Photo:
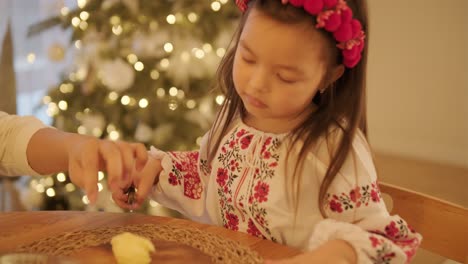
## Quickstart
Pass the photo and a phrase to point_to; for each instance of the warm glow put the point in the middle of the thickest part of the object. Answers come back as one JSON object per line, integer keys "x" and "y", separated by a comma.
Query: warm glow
{"x": 171, "y": 19}
{"x": 143, "y": 103}
{"x": 216, "y": 6}
{"x": 61, "y": 177}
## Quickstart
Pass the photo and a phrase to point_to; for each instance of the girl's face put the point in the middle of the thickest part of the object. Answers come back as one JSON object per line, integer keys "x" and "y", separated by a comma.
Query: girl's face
{"x": 278, "y": 68}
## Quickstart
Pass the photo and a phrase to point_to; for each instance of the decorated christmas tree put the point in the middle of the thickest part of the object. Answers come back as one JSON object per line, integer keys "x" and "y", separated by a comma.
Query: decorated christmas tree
{"x": 143, "y": 71}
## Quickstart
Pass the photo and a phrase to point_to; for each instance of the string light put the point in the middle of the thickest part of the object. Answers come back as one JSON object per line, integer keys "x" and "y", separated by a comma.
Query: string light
{"x": 220, "y": 99}
{"x": 61, "y": 177}
{"x": 117, "y": 30}
{"x": 97, "y": 132}
{"x": 69, "y": 187}
{"x": 216, "y": 6}
{"x": 113, "y": 96}
{"x": 49, "y": 181}
{"x": 66, "y": 88}
{"x": 143, "y": 103}
{"x": 171, "y": 19}
{"x": 81, "y": 3}
{"x": 83, "y": 25}
{"x": 181, "y": 94}
{"x": 84, "y": 15}
{"x": 160, "y": 92}
{"x": 46, "y": 99}
{"x": 165, "y": 63}
{"x": 191, "y": 104}
{"x": 82, "y": 130}
{"x": 154, "y": 74}
{"x": 50, "y": 192}
{"x": 52, "y": 109}
{"x": 207, "y": 48}
{"x": 168, "y": 47}
{"x": 132, "y": 58}
{"x": 114, "y": 20}
{"x": 139, "y": 66}
{"x": 31, "y": 57}
{"x": 110, "y": 128}
{"x": 173, "y": 91}
{"x": 63, "y": 105}
{"x": 200, "y": 54}
{"x": 125, "y": 100}
{"x": 220, "y": 52}
{"x": 192, "y": 17}
{"x": 100, "y": 187}
{"x": 64, "y": 11}
{"x": 40, "y": 188}
{"x": 114, "y": 135}
{"x": 199, "y": 141}
{"x": 78, "y": 44}
{"x": 173, "y": 105}
{"x": 75, "y": 21}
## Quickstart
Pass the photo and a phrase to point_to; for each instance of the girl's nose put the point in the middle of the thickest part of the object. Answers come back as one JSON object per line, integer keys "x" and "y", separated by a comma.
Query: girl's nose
{"x": 259, "y": 81}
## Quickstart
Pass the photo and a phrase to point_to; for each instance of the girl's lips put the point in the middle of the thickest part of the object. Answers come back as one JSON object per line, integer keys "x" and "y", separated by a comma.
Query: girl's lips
{"x": 254, "y": 101}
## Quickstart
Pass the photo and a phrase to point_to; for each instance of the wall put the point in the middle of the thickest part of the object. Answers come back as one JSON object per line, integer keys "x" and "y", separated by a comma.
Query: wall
{"x": 418, "y": 79}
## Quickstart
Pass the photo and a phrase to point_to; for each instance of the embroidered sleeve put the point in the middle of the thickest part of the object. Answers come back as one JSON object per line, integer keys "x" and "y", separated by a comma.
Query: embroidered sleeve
{"x": 183, "y": 180}
{"x": 357, "y": 214}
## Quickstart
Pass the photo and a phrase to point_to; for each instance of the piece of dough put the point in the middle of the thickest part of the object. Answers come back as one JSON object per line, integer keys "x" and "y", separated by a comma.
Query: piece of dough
{"x": 132, "y": 249}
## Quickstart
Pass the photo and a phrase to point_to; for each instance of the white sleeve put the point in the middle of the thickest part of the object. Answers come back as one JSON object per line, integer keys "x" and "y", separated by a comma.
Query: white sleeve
{"x": 357, "y": 214}
{"x": 183, "y": 180}
{"x": 15, "y": 133}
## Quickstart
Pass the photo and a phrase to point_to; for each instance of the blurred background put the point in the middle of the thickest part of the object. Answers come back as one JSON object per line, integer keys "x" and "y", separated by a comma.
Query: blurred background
{"x": 104, "y": 67}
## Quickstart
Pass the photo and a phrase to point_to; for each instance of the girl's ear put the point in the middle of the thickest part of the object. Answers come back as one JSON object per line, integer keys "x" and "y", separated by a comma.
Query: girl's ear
{"x": 336, "y": 73}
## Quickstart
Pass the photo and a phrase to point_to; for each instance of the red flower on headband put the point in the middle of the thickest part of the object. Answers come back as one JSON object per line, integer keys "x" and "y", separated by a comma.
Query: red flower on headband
{"x": 336, "y": 17}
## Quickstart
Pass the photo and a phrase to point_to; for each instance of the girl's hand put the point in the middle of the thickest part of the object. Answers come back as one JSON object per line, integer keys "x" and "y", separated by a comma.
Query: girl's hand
{"x": 143, "y": 180}
{"x": 332, "y": 252}
{"x": 88, "y": 155}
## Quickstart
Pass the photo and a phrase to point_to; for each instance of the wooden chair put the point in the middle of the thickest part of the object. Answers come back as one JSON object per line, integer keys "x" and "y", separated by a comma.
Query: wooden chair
{"x": 444, "y": 226}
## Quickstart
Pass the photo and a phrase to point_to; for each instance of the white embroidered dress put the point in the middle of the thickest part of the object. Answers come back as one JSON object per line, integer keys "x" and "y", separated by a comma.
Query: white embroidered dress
{"x": 244, "y": 189}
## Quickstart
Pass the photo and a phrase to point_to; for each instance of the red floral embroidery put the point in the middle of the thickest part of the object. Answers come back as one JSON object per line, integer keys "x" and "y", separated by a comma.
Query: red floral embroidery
{"x": 253, "y": 230}
{"x": 185, "y": 169}
{"x": 261, "y": 192}
{"x": 355, "y": 198}
{"x": 391, "y": 230}
{"x": 245, "y": 141}
{"x": 232, "y": 221}
{"x": 238, "y": 208}
{"x": 173, "y": 179}
{"x": 335, "y": 206}
{"x": 384, "y": 253}
{"x": 222, "y": 177}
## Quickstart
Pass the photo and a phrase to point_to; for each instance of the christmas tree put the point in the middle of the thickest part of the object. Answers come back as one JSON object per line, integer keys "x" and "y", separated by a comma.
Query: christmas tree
{"x": 143, "y": 71}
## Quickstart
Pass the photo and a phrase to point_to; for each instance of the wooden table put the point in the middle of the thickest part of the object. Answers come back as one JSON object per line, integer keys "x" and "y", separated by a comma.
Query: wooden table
{"x": 19, "y": 228}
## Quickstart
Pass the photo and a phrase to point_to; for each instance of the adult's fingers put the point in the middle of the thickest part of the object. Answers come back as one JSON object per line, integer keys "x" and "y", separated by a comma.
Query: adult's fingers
{"x": 111, "y": 155}
{"x": 146, "y": 178}
{"x": 141, "y": 155}
{"x": 90, "y": 167}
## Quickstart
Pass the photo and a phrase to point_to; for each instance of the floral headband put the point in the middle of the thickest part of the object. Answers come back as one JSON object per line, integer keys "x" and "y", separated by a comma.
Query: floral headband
{"x": 334, "y": 16}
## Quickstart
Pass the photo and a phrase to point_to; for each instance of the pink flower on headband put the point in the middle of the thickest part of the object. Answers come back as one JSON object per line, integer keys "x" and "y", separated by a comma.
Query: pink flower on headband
{"x": 336, "y": 17}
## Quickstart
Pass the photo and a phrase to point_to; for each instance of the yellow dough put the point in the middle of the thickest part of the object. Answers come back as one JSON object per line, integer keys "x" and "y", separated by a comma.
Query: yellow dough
{"x": 129, "y": 248}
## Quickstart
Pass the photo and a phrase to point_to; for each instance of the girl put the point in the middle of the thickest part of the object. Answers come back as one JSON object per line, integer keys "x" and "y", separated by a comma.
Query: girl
{"x": 287, "y": 158}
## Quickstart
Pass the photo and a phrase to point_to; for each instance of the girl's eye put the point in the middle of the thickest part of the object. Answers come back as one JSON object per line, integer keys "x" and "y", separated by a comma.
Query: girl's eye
{"x": 248, "y": 61}
{"x": 286, "y": 80}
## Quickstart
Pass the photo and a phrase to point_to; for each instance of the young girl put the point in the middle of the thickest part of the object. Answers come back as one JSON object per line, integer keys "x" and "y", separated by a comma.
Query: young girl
{"x": 287, "y": 158}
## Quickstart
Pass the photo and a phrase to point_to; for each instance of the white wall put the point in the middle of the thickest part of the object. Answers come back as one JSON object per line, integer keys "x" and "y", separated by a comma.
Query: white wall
{"x": 418, "y": 79}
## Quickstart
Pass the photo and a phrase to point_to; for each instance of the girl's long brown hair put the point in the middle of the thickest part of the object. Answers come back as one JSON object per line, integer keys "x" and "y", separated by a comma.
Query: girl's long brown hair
{"x": 342, "y": 105}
